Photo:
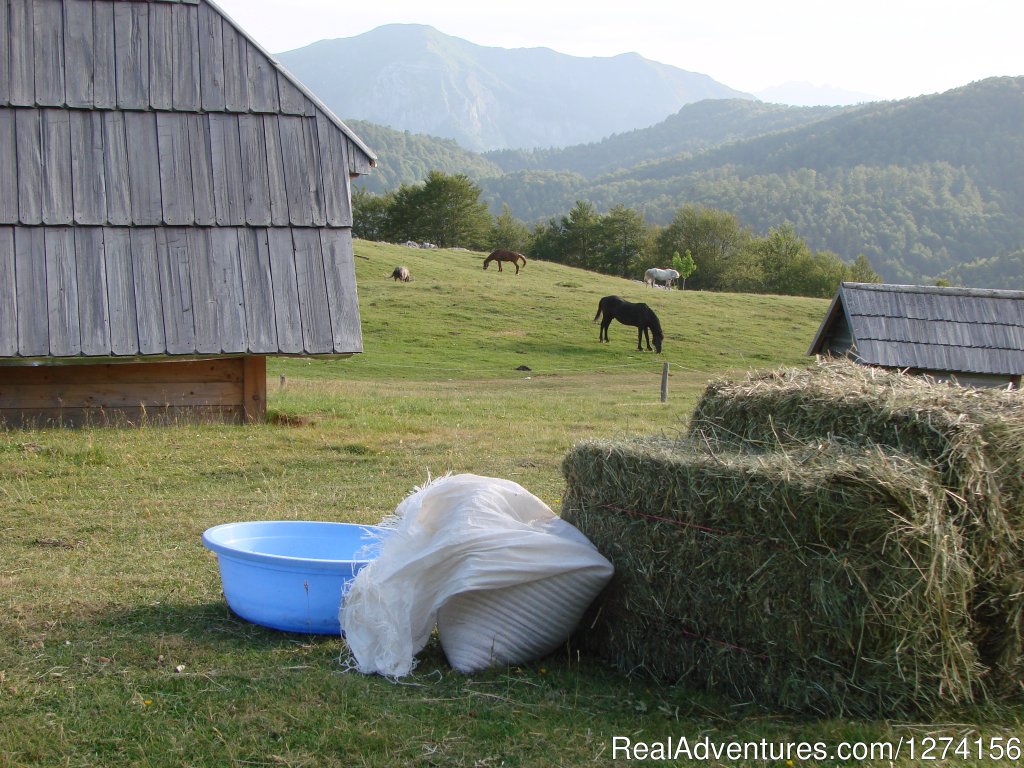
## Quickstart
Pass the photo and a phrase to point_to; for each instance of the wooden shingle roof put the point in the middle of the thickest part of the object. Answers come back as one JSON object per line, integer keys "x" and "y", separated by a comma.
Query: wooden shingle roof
{"x": 926, "y": 328}
{"x": 166, "y": 188}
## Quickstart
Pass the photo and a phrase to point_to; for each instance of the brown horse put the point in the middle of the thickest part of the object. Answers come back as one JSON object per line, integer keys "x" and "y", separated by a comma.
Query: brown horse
{"x": 501, "y": 255}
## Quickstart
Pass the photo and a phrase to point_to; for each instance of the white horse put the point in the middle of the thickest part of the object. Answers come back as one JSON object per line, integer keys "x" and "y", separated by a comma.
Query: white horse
{"x": 654, "y": 275}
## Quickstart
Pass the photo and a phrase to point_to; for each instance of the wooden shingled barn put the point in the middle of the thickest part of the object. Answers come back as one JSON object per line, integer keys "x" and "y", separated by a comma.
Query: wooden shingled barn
{"x": 971, "y": 336}
{"x": 174, "y": 207}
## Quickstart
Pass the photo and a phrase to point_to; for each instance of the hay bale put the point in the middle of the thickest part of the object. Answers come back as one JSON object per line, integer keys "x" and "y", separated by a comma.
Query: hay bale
{"x": 974, "y": 438}
{"x": 824, "y": 581}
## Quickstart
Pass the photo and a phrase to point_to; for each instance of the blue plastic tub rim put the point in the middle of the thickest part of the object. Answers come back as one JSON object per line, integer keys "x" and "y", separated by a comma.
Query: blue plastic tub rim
{"x": 228, "y": 539}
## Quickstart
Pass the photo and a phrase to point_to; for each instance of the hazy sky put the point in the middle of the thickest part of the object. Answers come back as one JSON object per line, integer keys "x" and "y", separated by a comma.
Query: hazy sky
{"x": 884, "y": 48}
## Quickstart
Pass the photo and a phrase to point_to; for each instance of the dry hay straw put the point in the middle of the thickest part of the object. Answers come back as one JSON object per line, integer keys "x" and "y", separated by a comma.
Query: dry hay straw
{"x": 823, "y": 580}
{"x": 974, "y": 438}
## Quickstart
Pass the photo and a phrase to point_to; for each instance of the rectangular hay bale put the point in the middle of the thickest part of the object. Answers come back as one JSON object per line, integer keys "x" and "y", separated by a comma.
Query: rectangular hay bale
{"x": 974, "y": 438}
{"x": 826, "y": 581}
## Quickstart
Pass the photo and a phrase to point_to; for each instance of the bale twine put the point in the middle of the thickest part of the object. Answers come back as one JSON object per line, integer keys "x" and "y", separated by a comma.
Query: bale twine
{"x": 974, "y": 438}
{"x": 820, "y": 581}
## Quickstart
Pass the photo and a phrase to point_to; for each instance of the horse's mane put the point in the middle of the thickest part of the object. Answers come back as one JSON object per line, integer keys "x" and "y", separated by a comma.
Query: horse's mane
{"x": 655, "y": 322}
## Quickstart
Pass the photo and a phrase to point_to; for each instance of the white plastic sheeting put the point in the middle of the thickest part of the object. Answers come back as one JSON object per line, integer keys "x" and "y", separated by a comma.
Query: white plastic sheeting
{"x": 502, "y": 577}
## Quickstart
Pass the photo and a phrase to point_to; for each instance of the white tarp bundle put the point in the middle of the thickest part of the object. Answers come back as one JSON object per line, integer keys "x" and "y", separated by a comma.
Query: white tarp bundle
{"x": 502, "y": 577}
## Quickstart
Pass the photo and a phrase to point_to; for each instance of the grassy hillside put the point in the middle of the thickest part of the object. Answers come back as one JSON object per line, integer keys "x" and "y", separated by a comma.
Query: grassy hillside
{"x": 458, "y": 321}
{"x": 116, "y": 645}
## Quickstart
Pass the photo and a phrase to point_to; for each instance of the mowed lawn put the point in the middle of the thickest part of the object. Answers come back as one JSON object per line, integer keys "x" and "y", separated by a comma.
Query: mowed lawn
{"x": 116, "y": 646}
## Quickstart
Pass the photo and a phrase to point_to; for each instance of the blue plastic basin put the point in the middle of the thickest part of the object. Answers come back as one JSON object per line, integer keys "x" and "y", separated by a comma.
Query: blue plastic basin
{"x": 288, "y": 574}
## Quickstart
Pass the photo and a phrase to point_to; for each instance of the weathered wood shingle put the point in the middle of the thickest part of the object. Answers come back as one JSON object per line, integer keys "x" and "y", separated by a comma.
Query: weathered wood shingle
{"x": 8, "y": 295}
{"x": 181, "y": 55}
{"x": 167, "y": 168}
{"x": 166, "y": 188}
{"x": 175, "y": 290}
{"x": 929, "y": 329}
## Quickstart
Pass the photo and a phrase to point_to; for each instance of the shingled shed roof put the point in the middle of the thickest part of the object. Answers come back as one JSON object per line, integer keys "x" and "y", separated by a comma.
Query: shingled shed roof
{"x": 924, "y": 328}
{"x": 166, "y": 188}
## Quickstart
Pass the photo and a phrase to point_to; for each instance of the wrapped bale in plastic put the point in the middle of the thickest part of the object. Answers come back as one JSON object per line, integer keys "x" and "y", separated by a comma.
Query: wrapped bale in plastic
{"x": 504, "y": 579}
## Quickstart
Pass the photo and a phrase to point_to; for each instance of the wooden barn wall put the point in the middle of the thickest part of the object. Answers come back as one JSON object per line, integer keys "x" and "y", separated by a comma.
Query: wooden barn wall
{"x": 70, "y": 291}
{"x": 222, "y": 390}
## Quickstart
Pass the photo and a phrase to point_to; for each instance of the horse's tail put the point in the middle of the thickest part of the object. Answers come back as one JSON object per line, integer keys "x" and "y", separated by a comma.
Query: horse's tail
{"x": 600, "y": 308}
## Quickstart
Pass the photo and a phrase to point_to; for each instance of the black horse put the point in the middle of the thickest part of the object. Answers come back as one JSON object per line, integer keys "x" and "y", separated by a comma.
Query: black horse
{"x": 639, "y": 315}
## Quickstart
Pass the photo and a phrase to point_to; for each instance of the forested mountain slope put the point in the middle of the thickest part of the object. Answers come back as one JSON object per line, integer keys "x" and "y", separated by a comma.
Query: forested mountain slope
{"x": 694, "y": 128}
{"x": 919, "y": 186}
{"x": 407, "y": 158}
{"x": 923, "y": 187}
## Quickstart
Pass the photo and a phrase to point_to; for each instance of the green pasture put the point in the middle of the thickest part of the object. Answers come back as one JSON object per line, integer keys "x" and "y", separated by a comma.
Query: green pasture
{"x": 116, "y": 646}
{"x": 458, "y": 321}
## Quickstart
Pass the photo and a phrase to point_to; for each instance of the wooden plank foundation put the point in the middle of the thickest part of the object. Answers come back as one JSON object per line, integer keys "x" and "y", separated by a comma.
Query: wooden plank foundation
{"x": 220, "y": 390}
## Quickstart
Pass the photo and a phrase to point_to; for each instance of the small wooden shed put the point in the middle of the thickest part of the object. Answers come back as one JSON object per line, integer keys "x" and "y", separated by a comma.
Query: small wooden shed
{"x": 174, "y": 207}
{"x": 971, "y": 336}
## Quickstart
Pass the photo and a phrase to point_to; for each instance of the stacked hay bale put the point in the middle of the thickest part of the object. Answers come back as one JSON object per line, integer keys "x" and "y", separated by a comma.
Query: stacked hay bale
{"x": 815, "y": 569}
{"x": 974, "y": 438}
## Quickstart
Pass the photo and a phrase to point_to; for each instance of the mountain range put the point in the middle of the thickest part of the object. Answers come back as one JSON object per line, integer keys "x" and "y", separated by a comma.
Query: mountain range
{"x": 927, "y": 188}
{"x": 412, "y": 77}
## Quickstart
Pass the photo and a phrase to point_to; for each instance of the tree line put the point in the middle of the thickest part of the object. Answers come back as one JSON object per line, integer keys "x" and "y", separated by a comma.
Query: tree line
{"x": 710, "y": 247}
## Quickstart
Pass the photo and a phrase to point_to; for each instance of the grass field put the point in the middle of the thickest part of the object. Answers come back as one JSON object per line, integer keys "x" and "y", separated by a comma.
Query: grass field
{"x": 116, "y": 647}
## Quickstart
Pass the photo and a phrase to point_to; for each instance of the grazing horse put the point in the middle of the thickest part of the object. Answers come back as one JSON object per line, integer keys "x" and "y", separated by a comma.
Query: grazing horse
{"x": 501, "y": 255}
{"x": 667, "y": 276}
{"x": 402, "y": 273}
{"x": 639, "y": 315}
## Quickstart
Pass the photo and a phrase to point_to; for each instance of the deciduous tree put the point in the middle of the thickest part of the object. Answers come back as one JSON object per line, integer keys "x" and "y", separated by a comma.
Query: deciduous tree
{"x": 509, "y": 233}
{"x": 684, "y": 265}
{"x": 445, "y": 210}
{"x": 713, "y": 237}
{"x": 370, "y": 214}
